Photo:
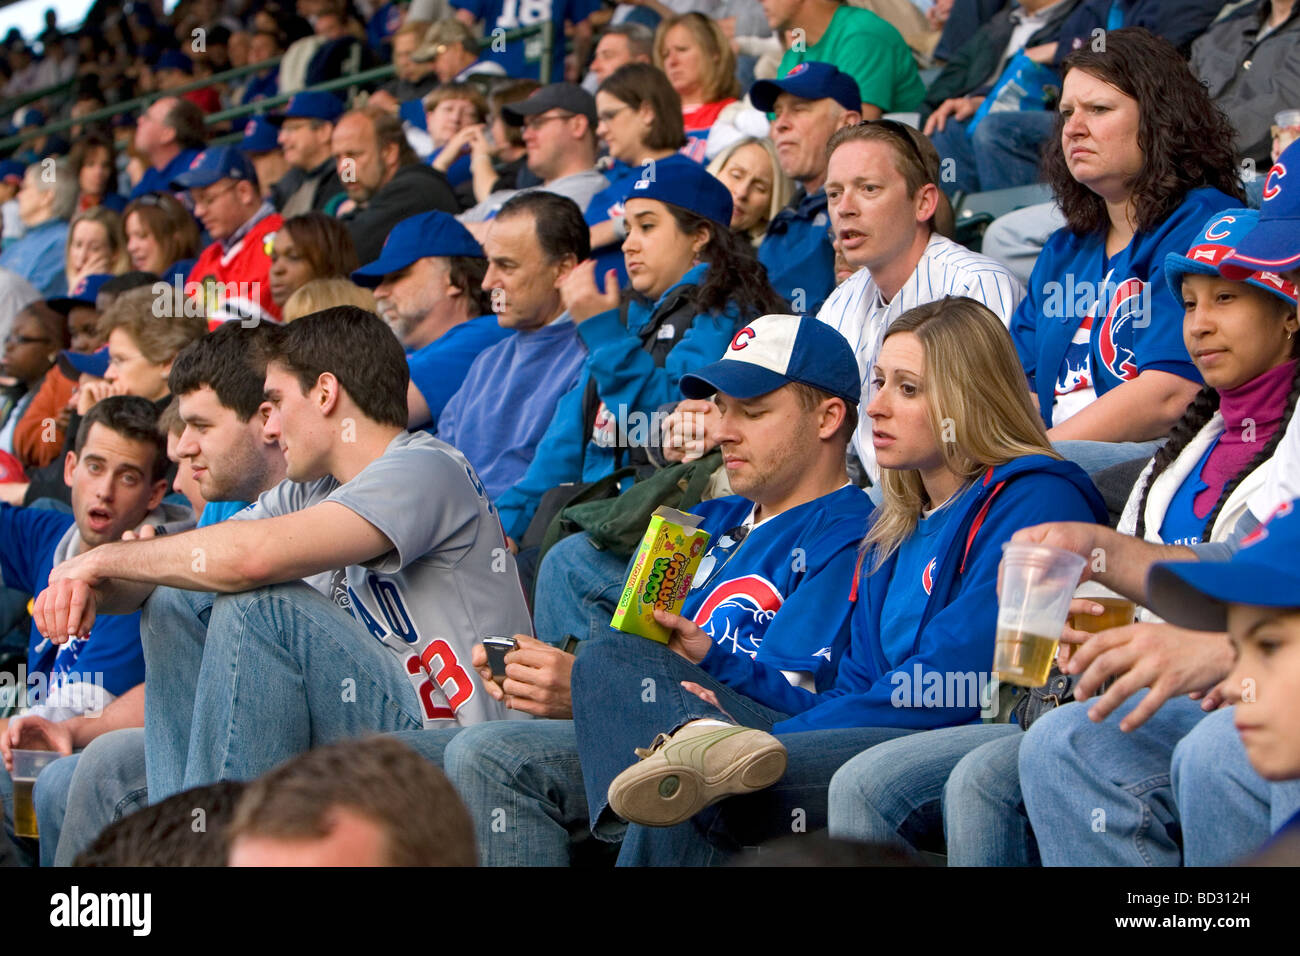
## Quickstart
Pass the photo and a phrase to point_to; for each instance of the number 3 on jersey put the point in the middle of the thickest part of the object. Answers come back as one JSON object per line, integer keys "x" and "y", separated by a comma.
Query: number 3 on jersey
{"x": 456, "y": 684}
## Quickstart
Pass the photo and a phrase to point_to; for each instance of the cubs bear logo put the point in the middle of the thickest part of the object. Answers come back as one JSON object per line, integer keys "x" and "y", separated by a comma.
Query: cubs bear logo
{"x": 736, "y": 608}
{"x": 1126, "y": 304}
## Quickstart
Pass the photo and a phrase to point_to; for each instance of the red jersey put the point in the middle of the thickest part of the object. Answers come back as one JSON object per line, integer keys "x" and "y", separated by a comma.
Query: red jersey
{"x": 236, "y": 284}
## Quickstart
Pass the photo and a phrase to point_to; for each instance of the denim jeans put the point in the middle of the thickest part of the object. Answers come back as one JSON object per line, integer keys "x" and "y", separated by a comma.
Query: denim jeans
{"x": 578, "y": 588}
{"x": 1095, "y": 456}
{"x": 1228, "y": 811}
{"x": 254, "y": 678}
{"x": 984, "y": 819}
{"x": 78, "y": 796}
{"x": 894, "y": 793}
{"x": 1004, "y": 151}
{"x": 627, "y": 689}
{"x": 1016, "y": 239}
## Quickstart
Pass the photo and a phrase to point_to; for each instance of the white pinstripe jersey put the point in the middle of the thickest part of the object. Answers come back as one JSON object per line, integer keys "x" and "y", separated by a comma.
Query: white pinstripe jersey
{"x": 858, "y": 312}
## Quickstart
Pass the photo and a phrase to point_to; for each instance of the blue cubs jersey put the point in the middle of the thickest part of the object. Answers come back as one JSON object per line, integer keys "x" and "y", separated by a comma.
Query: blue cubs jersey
{"x": 799, "y": 563}
{"x": 521, "y": 59}
{"x": 1092, "y": 321}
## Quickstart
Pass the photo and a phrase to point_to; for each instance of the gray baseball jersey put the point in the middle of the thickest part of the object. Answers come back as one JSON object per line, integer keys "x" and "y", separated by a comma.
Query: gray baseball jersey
{"x": 449, "y": 581}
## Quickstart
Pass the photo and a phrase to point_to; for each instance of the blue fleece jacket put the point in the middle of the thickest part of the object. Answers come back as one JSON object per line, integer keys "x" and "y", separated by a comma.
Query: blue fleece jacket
{"x": 956, "y": 631}
{"x": 628, "y": 381}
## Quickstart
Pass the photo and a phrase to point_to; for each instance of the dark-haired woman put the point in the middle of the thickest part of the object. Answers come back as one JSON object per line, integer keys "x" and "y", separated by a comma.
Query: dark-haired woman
{"x": 306, "y": 247}
{"x": 639, "y": 119}
{"x": 1145, "y": 159}
{"x": 697, "y": 284}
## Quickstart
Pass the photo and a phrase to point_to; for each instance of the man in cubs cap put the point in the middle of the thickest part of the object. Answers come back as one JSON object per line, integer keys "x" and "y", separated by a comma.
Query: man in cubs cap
{"x": 428, "y": 283}
{"x": 306, "y": 126}
{"x": 809, "y": 81}
{"x": 1273, "y": 245}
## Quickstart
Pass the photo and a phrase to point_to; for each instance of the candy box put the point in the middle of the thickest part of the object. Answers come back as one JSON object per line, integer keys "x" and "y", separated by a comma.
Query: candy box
{"x": 661, "y": 573}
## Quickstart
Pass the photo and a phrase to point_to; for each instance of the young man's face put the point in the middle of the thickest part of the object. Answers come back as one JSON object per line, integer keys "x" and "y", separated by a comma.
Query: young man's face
{"x": 767, "y": 443}
{"x": 295, "y": 421}
{"x": 1265, "y": 686}
{"x": 111, "y": 484}
{"x": 225, "y": 455}
{"x": 873, "y": 217}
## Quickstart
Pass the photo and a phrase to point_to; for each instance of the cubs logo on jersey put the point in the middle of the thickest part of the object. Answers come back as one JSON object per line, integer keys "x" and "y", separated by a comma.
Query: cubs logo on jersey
{"x": 736, "y": 613}
{"x": 1129, "y": 305}
{"x": 927, "y": 575}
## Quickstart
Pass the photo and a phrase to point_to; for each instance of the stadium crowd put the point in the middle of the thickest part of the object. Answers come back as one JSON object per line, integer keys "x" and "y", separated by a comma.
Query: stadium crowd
{"x": 311, "y": 384}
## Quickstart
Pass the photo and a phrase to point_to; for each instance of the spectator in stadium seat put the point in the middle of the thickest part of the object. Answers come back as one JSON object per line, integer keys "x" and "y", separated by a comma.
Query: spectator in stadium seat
{"x": 372, "y": 802}
{"x": 515, "y": 59}
{"x": 383, "y": 178}
{"x": 336, "y": 382}
{"x": 428, "y": 285}
{"x": 45, "y": 207}
{"x": 855, "y": 41}
{"x": 307, "y": 247}
{"x": 306, "y": 128}
{"x": 264, "y": 45}
{"x": 161, "y": 236}
{"x": 1105, "y": 360}
{"x": 697, "y": 59}
{"x": 11, "y": 180}
{"x": 412, "y": 78}
{"x": 759, "y": 187}
{"x": 451, "y": 112}
{"x": 499, "y": 413}
{"x": 453, "y": 50}
{"x": 169, "y": 134}
{"x": 232, "y": 273}
{"x": 498, "y": 158}
{"x": 694, "y": 277}
{"x": 620, "y": 44}
{"x": 639, "y": 121}
{"x": 559, "y": 124}
{"x": 38, "y": 335}
{"x": 809, "y": 107}
{"x": 91, "y": 160}
{"x": 96, "y": 244}
{"x": 320, "y": 294}
{"x": 261, "y": 145}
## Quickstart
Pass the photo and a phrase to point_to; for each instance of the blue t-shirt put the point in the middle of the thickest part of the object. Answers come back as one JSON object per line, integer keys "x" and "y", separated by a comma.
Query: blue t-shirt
{"x": 911, "y": 583}
{"x": 154, "y": 181}
{"x": 215, "y": 512}
{"x": 111, "y": 655}
{"x": 438, "y": 369}
{"x": 798, "y": 254}
{"x": 1181, "y": 526}
{"x": 459, "y": 171}
{"x": 521, "y": 59}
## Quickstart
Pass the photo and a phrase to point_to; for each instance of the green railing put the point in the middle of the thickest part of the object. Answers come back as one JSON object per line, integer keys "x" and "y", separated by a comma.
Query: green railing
{"x": 546, "y": 29}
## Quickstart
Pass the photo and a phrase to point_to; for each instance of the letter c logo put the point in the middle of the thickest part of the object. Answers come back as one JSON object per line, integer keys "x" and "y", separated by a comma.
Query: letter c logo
{"x": 741, "y": 339}
{"x": 1214, "y": 233}
{"x": 1271, "y": 185}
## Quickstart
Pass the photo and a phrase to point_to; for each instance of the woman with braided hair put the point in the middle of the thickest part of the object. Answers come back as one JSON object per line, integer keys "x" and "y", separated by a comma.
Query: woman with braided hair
{"x": 1241, "y": 335}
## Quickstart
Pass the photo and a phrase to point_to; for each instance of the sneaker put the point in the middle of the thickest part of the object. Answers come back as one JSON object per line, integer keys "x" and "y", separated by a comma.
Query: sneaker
{"x": 684, "y": 772}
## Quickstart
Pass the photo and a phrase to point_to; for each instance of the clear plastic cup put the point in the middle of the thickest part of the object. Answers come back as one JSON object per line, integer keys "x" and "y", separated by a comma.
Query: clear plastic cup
{"x": 28, "y": 765}
{"x": 1037, "y": 585}
{"x": 1119, "y": 609}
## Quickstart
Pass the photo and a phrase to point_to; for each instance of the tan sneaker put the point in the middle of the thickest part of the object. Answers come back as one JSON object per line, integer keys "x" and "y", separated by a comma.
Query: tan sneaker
{"x": 684, "y": 772}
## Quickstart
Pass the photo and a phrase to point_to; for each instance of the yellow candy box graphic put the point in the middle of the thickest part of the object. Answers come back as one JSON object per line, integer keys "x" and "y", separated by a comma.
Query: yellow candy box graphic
{"x": 661, "y": 575}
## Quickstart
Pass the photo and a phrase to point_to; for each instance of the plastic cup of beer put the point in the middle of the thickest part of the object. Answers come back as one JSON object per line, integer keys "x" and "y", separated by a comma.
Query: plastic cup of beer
{"x": 28, "y": 765}
{"x": 1119, "y": 609}
{"x": 1037, "y": 585}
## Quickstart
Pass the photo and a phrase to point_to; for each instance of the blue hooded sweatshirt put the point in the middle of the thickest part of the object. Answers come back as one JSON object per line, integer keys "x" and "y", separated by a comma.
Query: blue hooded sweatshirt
{"x": 956, "y": 632}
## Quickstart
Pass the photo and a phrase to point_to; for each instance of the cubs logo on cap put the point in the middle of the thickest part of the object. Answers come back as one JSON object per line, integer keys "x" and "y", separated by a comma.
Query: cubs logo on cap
{"x": 1216, "y": 243}
{"x": 1273, "y": 245}
{"x": 810, "y": 80}
{"x": 685, "y": 183}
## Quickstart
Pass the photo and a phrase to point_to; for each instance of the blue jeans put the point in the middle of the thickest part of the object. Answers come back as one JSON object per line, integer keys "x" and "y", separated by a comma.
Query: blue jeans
{"x": 894, "y": 793}
{"x": 78, "y": 796}
{"x": 1228, "y": 811}
{"x": 984, "y": 819}
{"x": 1004, "y": 151}
{"x": 578, "y": 588}
{"x": 254, "y": 678}
{"x": 1095, "y": 456}
{"x": 627, "y": 689}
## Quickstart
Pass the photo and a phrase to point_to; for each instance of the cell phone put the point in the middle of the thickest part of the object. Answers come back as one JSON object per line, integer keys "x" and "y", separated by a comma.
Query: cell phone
{"x": 497, "y": 648}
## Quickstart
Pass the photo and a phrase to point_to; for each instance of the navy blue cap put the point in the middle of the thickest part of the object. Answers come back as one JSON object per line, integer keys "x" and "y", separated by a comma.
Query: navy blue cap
{"x": 88, "y": 363}
{"x": 85, "y": 292}
{"x": 12, "y": 169}
{"x": 809, "y": 80}
{"x": 1274, "y": 244}
{"x": 310, "y": 105}
{"x": 32, "y": 117}
{"x": 174, "y": 60}
{"x": 1223, "y": 232}
{"x": 775, "y": 350}
{"x": 428, "y": 234}
{"x": 213, "y": 165}
{"x": 1196, "y": 594}
{"x": 259, "y": 136}
{"x": 685, "y": 183}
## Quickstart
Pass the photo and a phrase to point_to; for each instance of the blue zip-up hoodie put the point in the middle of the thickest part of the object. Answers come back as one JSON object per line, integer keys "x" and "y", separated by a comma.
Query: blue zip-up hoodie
{"x": 628, "y": 381}
{"x": 956, "y": 632}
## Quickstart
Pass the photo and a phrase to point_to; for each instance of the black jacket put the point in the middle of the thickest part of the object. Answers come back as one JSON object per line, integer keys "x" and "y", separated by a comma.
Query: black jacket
{"x": 414, "y": 188}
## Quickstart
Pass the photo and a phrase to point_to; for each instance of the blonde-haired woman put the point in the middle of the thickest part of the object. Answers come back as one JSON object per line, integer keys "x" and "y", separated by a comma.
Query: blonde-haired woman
{"x": 96, "y": 244}
{"x": 325, "y": 293}
{"x": 759, "y": 188}
{"x": 967, "y": 464}
{"x": 697, "y": 58}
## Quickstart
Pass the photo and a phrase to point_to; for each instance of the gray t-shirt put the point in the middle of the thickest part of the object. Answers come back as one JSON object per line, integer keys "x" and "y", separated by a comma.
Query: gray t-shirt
{"x": 449, "y": 581}
{"x": 579, "y": 187}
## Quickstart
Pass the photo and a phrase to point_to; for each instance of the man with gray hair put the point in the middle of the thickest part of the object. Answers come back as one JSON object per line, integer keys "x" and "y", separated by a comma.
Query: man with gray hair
{"x": 46, "y": 201}
{"x": 619, "y": 45}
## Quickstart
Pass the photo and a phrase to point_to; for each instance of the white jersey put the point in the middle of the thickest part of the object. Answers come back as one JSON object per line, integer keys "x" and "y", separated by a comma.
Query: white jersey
{"x": 1283, "y": 483}
{"x": 449, "y": 581}
{"x": 858, "y": 311}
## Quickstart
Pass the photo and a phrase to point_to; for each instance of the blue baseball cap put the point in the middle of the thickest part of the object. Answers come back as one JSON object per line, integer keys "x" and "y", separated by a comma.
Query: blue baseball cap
{"x": 685, "y": 183}
{"x": 1220, "y": 235}
{"x": 260, "y": 136}
{"x": 809, "y": 80}
{"x": 428, "y": 234}
{"x": 1274, "y": 244}
{"x": 174, "y": 60}
{"x": 213, "y": 165}
{"x": 85, "y": 292}
{"x": 88, "y": 363}
{"x": 310, "y": 105}
{"x": 12, "y": 169}
{"x": 775, "y": 350}
{"x": 1265, "y": 572}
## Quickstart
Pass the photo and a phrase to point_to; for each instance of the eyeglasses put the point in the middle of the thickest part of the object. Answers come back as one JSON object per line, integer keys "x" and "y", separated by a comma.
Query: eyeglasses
{"x": 17, "y": 339}
{"x": 209, "y": 198}
{"x": 537, "y": 122}
{"x": 609, "y": 115}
